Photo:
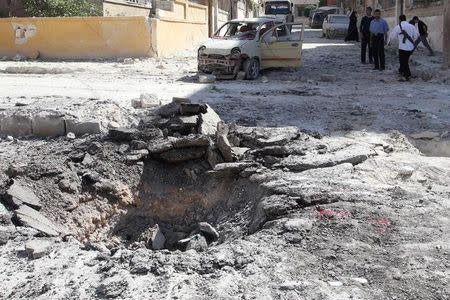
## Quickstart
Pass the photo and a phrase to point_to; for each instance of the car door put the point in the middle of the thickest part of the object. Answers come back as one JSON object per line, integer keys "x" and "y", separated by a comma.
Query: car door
{"x": 281, "y": 47}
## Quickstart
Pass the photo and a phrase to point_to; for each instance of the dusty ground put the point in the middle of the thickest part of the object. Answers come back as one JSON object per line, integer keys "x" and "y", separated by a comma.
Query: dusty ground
{"x": 349, "y": 210}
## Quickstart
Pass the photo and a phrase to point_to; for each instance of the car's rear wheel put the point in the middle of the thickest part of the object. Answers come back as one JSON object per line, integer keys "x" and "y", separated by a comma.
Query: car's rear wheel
{"x": 251, "y": 68}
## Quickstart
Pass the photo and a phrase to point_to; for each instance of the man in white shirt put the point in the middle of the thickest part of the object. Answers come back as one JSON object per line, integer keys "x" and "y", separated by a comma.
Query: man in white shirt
{"x": 406, "y": 35}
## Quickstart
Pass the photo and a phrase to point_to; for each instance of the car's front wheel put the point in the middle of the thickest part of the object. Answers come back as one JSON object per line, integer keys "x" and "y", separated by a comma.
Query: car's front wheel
{"x": 251, "y": 68}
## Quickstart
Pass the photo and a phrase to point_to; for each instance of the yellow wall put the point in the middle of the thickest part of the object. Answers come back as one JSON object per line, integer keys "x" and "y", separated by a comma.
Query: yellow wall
{"x": 76, "y": 38}
{"x": 184, "y": 28}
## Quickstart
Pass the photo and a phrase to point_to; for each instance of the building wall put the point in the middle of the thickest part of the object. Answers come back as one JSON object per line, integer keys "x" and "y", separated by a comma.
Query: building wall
{"x": 76, "y": 38}
{"x": 114, "y": 8}
{"x": 184, "y": 28}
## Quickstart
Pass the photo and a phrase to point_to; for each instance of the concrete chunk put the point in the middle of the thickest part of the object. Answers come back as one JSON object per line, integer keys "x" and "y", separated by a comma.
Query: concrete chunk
{"x": 48, "y": 125}
{"x": 17, "y": 195}
{"x": 208, "y": 122}
{"x": 183, "y": 154}
{"x": 192, "y": 140}
{"x": 83, "y": 127}
{"x": 30, "y": 217}
{"x": 223, "y": 144}
{"x": 192, "y": 109}
{"x": 16, "y": 125}
{"x": 37, "y": 248}
{"x": 158, "y": 239}
{"x": 208, "y": 231}
{"x": 123, "y": 134}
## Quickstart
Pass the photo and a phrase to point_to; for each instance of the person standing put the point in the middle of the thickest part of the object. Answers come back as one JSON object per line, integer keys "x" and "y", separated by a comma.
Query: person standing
{"x": 406, "y": 35}
{"x": 352, "y": 32}
{"x": 365, "y": 36}
{"x": 378, "y": 36}
{"x": 423, "y": 34}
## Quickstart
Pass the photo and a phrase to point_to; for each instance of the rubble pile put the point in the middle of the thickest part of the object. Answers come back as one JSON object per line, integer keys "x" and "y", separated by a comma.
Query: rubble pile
{"x": 185, "y": 193}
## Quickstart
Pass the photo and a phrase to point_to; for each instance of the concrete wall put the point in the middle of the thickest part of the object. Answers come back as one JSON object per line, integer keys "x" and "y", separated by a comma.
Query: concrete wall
{"x": 114, "y": 8}
{"x": 184, "y": 28}
{"x": 76, "y": 38}
{"x": 223, "y": 17}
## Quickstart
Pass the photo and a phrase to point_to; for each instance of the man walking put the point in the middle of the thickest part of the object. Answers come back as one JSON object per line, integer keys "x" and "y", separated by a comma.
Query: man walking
{"x": 423, "y": 34}
{"x": 364, "y": 29}
{"x": 406, "y": 35}
{"x": 378, "y": 36}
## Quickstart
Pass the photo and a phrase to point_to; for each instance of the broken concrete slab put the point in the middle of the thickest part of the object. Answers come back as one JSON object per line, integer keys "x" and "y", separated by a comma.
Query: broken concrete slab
{"x": 48, "y": 125}
{"x": 123, "y": 134}
{"x": 168, "y": 110}
{"x": 30, "y": 217}
{"x": 138, "y": 145}
{"x": 239, "y": 152}
{"x": 38, "y": 248}
{"x": 187, "y": 109}
{"x": 256, "y": 137}
{"x": 183, "y": 154}
{"x": 158, "y": 239}
{"x": 80, "y": 128}
{"x": 233, "y": 168}
{"x": 353, "y": 154}
{"x": 222, "y": 142}
{"x": 278, "y": 151}
{"x": 17, "y": 195}
{"x": 209, "y": 231}
{"x": 208, "y": 122}
{"x": 137, "y": 155}
{"x": 213, "y": 157}
{"x": 197, "y": 243}
{"x": 184, "y": 124}
{"x": 192, "y": 140}
{"x": 160, "y": 146}
{"x": 16, "y": 125}
{"x": 146, "y": 101}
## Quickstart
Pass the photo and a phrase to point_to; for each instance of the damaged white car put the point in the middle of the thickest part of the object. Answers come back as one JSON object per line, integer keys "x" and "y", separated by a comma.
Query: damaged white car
{"x": 250, "y": 45}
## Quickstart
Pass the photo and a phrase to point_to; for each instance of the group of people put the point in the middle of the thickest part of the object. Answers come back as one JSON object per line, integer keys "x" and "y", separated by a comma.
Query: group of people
{"x": 374, "y": 36}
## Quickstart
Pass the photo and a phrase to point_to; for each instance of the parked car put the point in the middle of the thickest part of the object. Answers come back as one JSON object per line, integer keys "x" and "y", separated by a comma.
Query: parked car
{"x": 250, "y": 45}
{"x": 335, "y": 25}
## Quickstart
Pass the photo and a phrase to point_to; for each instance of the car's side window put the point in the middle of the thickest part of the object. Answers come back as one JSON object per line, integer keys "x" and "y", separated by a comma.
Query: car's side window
{"x": 282, "y": 33}
{"x": 264, "y": 28}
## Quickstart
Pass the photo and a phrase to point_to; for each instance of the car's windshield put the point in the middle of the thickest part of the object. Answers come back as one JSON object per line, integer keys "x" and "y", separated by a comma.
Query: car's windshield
{"x": 277, "y": 8}
{"x": 238, "y": 31}
{"x": 339, "y": 19}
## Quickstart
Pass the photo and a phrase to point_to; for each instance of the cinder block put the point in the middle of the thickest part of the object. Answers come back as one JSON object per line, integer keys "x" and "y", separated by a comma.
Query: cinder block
{"x": 81, "y": 128}
{"x": 16, "y": 125}
{"x": 48, "y": 125}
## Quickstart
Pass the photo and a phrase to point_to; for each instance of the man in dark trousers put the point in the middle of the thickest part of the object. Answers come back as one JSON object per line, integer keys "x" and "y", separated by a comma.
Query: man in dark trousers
{"x": 364, "y": 29}
{"x": 423, "y": 34}
{"x": 378, "y": 36}
{"x": 406, "y": 35}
